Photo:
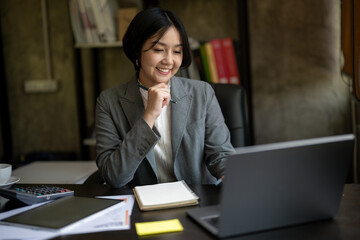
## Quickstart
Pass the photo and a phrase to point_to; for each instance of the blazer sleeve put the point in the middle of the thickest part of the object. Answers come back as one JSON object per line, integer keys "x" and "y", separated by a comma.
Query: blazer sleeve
{"x": 120, "y": 148}
{"x": 217, "y": 136}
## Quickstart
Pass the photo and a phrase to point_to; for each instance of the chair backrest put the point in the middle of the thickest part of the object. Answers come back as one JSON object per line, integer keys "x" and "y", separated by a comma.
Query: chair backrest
{"x": 94, "y": 178}
{"x": 232, "y": 101}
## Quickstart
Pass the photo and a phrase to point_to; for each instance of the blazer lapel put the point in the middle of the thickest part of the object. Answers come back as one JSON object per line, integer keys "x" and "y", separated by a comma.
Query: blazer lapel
{"x": 133, "y": 107}
{"x": 132, "y": 103}
{"x": 179, "y": 113}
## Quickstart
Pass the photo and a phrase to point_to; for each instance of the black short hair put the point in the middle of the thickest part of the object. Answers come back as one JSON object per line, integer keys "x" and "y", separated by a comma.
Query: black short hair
{"x": 145, "y": 25}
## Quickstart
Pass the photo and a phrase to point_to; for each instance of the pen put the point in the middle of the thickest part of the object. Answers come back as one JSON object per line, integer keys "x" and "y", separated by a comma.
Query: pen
{"x": 145, "y": 88}
{"x": 218, "y": 182}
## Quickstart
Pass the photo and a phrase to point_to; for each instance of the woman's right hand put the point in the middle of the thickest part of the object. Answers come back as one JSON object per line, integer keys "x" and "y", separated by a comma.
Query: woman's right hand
{"x": 158, "y": 97}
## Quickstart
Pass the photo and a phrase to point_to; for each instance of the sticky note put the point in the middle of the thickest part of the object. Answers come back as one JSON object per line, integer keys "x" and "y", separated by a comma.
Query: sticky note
{"x": 156, "y": 227}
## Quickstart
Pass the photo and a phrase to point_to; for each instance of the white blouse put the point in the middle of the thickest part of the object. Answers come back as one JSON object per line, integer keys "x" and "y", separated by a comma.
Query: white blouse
{"x": 163, "y": 148}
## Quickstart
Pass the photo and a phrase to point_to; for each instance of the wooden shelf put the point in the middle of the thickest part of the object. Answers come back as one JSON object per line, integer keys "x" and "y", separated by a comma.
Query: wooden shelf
{"x": 98, "y": 45}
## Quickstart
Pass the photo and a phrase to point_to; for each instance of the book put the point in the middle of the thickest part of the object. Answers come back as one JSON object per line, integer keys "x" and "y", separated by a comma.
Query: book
{"x": 199, "y": 63}
{"x": 220, "y": 61}
{"x": 230, "y": 58}
{"x": 76, "y": 22}
{"x": 125, "y": 16}
{"x": 211, "y": 62}
{"x": 204, "y": 61}
{"x": 99, "y": 19}
{"x": 64, "y": 213}
{"x": 165, "y": 195}
{"x": 91, "y": 19}
{"x": 109, "y": 13}
{"x": 85, "y": 21}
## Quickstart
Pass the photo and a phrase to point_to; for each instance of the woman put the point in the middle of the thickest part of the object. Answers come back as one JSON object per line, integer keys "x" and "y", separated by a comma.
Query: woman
{"x": 158, "y": 127}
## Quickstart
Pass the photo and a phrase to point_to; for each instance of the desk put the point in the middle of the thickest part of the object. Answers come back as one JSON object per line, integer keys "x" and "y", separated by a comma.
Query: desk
{"x": 346, "y": 225}
{"x": 51, "y": 172}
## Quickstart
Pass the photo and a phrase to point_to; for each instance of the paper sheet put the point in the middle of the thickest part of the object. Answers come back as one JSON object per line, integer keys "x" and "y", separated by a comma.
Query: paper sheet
{"x": 129, "y": 200}
{"x": 117, "y": 219}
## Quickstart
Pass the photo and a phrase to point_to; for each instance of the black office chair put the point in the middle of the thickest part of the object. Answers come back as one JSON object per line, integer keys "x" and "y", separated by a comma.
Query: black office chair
{"x": 94, "y": 178}
{"x": 232, "y": 101}
{"x": 233, "y": 104}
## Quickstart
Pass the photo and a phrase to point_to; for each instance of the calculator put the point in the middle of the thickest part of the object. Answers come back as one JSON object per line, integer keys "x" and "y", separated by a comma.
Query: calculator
{"x": 31, "y": 194}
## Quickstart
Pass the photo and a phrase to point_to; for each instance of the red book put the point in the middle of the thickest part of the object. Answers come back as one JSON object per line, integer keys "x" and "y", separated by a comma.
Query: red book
{"x": 229, "y": 52}
{"x": 222, "y": 69}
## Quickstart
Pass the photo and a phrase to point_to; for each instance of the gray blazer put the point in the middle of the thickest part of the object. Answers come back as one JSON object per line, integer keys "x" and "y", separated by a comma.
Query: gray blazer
{"x": 125, "y": 143}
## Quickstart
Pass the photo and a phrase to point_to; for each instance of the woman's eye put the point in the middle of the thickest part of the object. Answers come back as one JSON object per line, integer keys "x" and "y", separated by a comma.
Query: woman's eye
{"x": 177, "y": 52}
{"x": 157, "y": 50}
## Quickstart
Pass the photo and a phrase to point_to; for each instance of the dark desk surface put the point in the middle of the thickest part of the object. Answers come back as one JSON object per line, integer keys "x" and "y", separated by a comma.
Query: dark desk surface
{"x": 346, "y": 224}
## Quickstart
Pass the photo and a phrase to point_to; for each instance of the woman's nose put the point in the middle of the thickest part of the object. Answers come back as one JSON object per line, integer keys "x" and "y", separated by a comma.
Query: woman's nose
{"x": 168, "y": 58}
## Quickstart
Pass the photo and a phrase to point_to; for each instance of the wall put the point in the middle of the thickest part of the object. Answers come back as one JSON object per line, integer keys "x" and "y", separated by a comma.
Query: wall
{"x": 48, "y": 121}
{"x": 205, "y": 20}
{"x": 297, "y": 87}
{"x": 298, "y": 90}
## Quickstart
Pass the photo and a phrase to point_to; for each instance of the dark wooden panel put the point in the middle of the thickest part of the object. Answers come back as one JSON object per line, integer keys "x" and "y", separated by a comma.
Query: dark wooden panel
{"x": 347, "y": 35}
{"x": 357, "y": 46}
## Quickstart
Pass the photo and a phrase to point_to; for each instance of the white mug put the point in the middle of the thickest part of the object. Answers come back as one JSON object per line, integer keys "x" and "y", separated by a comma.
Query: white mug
{"x": 5, "y": 173}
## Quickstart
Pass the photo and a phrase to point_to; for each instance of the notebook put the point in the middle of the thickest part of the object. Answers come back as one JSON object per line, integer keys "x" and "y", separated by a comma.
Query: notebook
{"x": 62, "y": 214}
{"x": 165, "y": 195}
{"x": 277, "y": 185}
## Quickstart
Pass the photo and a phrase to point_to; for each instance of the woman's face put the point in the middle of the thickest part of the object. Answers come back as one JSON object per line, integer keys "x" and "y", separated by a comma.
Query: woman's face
{"x": 160, "y": 62}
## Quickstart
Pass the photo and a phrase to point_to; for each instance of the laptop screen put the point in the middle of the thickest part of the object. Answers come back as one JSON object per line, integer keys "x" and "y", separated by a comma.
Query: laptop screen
{"x": 281, "y": 184}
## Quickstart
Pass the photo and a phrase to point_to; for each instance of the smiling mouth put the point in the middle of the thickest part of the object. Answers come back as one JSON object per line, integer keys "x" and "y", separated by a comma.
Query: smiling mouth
{"x": 164, "y": 70}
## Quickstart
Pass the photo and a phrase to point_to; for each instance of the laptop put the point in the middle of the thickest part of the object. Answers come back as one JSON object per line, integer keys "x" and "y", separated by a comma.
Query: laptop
{"x": 278, "y": 185}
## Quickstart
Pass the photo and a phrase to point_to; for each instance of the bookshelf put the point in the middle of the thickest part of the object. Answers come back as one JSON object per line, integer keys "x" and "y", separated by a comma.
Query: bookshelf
{"x": 83, "y": 25}
{"x": 95, "y": 48}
